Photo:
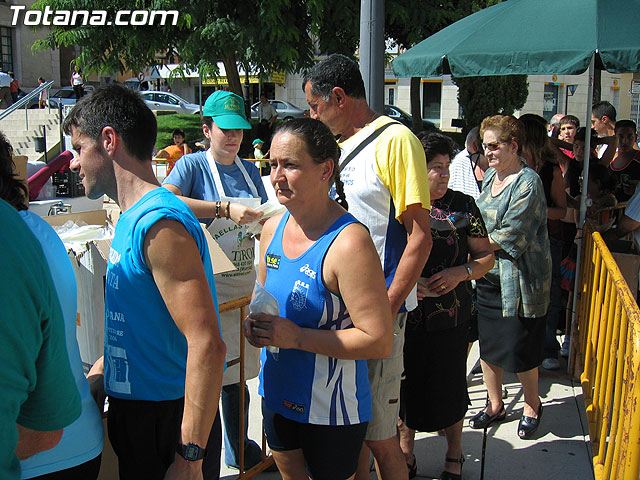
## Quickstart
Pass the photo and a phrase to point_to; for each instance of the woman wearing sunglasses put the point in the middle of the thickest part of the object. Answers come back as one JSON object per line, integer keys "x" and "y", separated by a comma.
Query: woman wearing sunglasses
{"x": 513, "y": 296}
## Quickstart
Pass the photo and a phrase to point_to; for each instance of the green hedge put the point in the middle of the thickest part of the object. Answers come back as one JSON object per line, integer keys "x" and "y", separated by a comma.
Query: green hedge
{"x": 192, "y": 126}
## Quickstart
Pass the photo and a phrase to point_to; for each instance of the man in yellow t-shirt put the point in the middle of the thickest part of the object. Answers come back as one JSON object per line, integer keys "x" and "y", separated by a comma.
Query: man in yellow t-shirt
{"x": 387, "y": 190}
{"x": 175, "y": 151}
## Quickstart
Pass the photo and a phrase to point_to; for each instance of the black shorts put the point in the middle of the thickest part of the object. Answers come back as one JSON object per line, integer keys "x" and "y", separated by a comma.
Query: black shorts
{"x": 144, "y": 436}
{"x": 331, "y": 452}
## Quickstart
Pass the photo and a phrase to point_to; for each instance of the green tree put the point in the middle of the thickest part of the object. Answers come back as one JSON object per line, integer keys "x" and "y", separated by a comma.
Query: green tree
{"x": 408, "y": 22}
{"x": 480, "y": 97}
{"x": 269, "y": 35}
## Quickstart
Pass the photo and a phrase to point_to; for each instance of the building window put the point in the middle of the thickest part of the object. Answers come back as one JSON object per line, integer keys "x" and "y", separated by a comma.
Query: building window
{"x": 550, "y": 101}
{"x": 6, "y": 49}
{"x": 431, "y": 99}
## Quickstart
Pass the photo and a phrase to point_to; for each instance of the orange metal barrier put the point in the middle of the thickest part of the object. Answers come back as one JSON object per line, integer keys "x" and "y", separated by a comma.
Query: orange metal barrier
{"x": 608, "y": 355}
{"x": 240, "y": 305}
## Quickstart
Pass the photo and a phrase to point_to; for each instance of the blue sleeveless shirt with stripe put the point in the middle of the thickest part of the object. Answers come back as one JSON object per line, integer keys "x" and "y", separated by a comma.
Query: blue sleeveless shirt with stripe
{"x": 304, "y": 386}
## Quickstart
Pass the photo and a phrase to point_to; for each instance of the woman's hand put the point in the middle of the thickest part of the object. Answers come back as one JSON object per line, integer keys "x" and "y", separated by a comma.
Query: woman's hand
{"x": 242, "y": 214}
{"x": 423, "y": 291}
{"x": 262, "y": 329}
{"x": 446, "y": 280}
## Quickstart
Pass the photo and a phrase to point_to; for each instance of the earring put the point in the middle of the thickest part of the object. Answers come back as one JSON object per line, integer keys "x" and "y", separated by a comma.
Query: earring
{"x": 324, "y": 178}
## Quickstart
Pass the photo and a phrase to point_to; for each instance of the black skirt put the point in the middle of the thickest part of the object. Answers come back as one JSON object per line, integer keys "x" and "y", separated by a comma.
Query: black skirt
{"x": 516, "y": 343}
{"x": 433, "y": 393}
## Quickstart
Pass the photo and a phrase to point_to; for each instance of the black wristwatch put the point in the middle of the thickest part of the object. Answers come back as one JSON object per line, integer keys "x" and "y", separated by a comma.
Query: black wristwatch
{"x": 191, "y": 452}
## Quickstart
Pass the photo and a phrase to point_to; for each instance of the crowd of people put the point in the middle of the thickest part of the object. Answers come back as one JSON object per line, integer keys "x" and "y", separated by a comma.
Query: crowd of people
{"x": 393, "y": 255}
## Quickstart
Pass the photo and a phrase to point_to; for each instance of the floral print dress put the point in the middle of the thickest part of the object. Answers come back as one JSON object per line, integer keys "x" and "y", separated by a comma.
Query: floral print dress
{"x": 454, "y": 218}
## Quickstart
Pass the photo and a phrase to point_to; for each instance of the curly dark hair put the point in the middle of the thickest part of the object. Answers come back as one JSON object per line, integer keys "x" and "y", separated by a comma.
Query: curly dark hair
{"x": 436, "y": 144}
{"x": 12, "y": 190}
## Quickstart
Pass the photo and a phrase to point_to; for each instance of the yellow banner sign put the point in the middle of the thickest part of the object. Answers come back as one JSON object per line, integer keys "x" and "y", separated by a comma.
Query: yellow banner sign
{"x": 278, "y": 77}
{"x": 223, "y": 80}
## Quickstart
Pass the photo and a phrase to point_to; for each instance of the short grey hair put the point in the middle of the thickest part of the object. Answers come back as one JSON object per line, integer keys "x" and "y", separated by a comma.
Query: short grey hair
{"x": 472, "y": 136}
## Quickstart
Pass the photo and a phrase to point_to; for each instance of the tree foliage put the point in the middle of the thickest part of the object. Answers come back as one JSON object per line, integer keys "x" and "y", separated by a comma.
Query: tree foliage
{"x": 480, "y": 97}
{"x": 268, "y": 35}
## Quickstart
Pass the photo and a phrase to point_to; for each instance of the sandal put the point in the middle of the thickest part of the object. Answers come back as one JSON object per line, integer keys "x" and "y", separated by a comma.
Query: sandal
{"x": 445, "y": 475}
{"x": 413, "y": 468}
{"x": 528, "y": 425}
{"x": 482, "y": 419}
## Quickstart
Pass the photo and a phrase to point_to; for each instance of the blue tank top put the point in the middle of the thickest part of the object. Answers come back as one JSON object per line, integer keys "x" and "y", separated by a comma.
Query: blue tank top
{"x": 304, "y": 386}
{"x": 145, "y": 352}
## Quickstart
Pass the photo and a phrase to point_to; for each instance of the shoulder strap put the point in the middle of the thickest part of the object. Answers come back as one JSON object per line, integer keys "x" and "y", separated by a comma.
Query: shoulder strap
{"x": 375, "y": 134}
{"x": 474, "y": 165}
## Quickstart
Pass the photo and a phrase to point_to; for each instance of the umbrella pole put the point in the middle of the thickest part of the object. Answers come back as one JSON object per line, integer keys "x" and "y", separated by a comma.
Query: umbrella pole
{"x": 583, "y": 200}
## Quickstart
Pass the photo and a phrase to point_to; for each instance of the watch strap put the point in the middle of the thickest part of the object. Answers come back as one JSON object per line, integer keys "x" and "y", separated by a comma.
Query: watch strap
{"x": 191, "y": 451}
{"x": 469, "y": 271}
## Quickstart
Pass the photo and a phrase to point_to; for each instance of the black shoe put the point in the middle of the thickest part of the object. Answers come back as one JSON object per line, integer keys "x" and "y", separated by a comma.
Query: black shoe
{"x": 413, "y": 468}
{"x": 483, "y": 420}
{"x": 445, "y": 475}
{"x": 528, "y": 425}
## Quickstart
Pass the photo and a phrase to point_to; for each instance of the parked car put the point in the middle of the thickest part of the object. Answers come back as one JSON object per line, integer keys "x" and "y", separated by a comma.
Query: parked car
{"x": 64, "y": 95}
{"x": 403, "y": 117}
{"x": 285, "y": 110}
{"x": 157, "y": 100}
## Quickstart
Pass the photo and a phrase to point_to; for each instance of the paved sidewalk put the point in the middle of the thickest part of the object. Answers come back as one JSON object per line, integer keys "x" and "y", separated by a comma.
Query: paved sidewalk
{"x": 560, "y": 449}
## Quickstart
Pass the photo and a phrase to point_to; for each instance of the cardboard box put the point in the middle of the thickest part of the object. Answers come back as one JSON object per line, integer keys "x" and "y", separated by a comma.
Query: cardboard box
{"x": 20, "y": 161}
{"x": 90, "y": 267}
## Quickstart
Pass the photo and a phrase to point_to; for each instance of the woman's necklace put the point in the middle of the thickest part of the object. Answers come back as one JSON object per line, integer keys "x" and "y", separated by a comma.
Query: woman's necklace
{"x": 498, "y": 185}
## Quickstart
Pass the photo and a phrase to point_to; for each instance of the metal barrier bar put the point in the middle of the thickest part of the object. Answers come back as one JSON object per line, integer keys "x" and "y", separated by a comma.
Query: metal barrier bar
{"x": 608, "y": 347}
{"x": 24, "y": 101}
{"x": 267, "y": 460}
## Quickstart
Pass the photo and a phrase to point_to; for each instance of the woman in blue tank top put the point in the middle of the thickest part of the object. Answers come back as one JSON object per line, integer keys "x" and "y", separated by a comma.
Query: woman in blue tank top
{"x": 322, "y": 267}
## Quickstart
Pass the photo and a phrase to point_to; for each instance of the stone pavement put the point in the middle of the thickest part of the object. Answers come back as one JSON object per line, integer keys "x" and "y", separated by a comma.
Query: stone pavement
{"x": 560, "y": 449}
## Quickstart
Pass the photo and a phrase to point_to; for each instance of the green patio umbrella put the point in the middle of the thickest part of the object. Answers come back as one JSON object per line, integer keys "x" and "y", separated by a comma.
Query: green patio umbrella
{"x": 535, "y": 37}
{"x": 531, "y": 37}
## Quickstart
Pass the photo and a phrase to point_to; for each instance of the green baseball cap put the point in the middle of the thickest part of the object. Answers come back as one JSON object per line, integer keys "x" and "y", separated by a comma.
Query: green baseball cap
{"x": 226, "y": 109}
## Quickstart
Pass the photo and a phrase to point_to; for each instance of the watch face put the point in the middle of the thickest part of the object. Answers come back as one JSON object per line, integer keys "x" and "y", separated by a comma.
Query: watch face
{"x": 190, "y": 452}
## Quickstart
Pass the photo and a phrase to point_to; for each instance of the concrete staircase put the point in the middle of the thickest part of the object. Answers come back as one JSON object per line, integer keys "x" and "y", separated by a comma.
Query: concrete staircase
{"x": 23, "y": 139}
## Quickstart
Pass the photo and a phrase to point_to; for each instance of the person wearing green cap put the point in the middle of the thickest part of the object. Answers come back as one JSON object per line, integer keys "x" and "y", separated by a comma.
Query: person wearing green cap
{"x": 258, "y": 155}
{"x": 223, "y": 192}
{"x": 257, "y": 149}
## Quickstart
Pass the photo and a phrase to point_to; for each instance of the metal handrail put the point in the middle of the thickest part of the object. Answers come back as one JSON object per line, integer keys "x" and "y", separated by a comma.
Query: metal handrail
{"x": 608, "y": 354}
{"x": 24, "y": 101}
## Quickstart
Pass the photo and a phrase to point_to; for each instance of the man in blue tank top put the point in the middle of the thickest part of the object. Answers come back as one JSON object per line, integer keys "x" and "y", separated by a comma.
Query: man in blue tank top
{"x": 164, "y": 355}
